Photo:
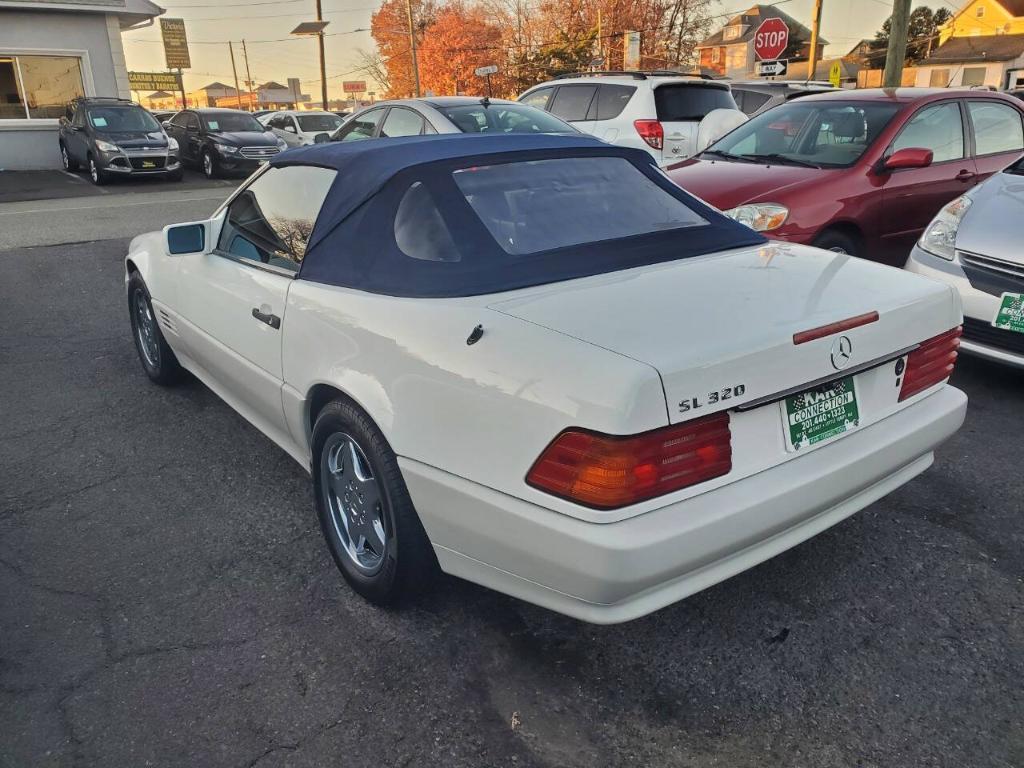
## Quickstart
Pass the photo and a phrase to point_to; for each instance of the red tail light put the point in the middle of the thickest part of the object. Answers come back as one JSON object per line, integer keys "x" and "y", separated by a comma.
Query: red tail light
{"x": 931, "y": 363}
{"x": 607, "y": 471}
{"x": 651, "y": 132}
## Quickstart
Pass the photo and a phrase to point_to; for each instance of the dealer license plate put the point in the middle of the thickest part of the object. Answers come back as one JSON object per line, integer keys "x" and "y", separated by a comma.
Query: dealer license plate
{"x": 1010, "y": 316}
{"x": 148, "y": 164}
{"x": 820, "y": 414}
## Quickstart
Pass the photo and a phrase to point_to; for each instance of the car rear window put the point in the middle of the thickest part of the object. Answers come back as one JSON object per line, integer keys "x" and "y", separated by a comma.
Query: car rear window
{"x": 685, "y": 101}
{"x": 612, "y": 99}
{"x": 602, "y": 198}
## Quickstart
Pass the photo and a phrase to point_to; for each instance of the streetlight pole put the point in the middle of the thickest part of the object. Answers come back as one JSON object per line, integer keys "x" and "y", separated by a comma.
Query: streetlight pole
{"x": 412, "y": 48}
{"x": 323, "y": 64}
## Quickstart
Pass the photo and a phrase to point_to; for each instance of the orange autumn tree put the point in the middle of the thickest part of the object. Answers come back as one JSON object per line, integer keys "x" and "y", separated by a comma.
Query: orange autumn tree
{"x": 460, "y": 39}
{"x": 389, "y": 26}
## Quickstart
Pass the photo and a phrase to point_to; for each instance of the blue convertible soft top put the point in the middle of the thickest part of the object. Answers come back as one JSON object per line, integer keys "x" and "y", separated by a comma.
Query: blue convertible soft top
{"x": 408, "y": 217}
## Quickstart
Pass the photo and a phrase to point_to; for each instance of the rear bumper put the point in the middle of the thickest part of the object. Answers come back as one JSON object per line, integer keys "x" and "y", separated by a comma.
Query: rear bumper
{"x": 978, "y": 305}
{"x": 609, "y": 573}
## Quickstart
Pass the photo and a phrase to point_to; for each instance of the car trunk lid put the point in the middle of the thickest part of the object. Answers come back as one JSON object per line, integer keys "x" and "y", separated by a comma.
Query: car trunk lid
{"x": 720, "y": 329}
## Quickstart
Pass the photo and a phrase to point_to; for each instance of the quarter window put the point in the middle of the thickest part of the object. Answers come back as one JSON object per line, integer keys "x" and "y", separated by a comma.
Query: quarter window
{"x": 38, "y": 87}
{"x": 938, "y": 128}
{"x": 420, "y": 231}
{"x": 271, "y": 220}
{"x": 997, "y": 128}
{"x": 572, "y": 101}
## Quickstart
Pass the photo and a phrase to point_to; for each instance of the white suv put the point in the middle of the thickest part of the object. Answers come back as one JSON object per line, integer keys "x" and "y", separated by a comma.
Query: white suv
{"x": 669, "y": 114}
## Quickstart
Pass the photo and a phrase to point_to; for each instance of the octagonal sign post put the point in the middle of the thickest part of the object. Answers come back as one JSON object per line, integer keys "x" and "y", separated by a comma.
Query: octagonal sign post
{"x": 771, "y": 39}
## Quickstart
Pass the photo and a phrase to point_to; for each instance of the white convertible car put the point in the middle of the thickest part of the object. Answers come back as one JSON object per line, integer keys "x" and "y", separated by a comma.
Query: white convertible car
{"x": 534, "y": 362}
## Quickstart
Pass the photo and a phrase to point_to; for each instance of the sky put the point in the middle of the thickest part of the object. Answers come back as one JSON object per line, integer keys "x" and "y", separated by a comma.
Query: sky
{"x": 274, "y": 55}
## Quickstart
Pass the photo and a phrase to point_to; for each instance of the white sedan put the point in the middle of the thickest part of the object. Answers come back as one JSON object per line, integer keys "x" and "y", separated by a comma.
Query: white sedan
{"x": 535, "y": 363}
{"x": 299, "y": 128}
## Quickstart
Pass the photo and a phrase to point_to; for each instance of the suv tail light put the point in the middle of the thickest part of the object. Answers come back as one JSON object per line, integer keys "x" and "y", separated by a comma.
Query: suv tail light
{"x": 608, "y": 471}
{"x": 651, "y": 132}
{"x": 931, "y": 363}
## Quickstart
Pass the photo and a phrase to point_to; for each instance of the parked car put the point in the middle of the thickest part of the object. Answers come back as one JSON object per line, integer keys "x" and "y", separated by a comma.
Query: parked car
{"x": 859, "y": 172}
{"x": 297, "y": 128}
{"x": 669, "y": 115}
{"x": 261, "y": 112}
{"x": 446, "y": 114}
{"x": 223, "y": 140}
{"x": 161, "y": 116}
{"x": 113, "y": 137}
{"x": 973, "y": 246}
{"x": 473, "y": 343}
{"x": 756, "y": 96}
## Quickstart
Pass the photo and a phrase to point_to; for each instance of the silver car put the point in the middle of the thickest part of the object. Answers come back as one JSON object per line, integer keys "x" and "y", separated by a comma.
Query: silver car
{"x": 973, "y": 245}
{"x": 447, "y": 114}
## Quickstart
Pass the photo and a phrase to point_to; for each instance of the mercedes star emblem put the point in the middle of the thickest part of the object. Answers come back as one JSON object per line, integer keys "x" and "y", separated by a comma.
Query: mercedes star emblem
{"x": 842, "y": 351}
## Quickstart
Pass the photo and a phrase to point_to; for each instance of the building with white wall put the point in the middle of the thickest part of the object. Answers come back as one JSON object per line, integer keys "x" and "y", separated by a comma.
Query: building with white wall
{"x": 52, "y": 51}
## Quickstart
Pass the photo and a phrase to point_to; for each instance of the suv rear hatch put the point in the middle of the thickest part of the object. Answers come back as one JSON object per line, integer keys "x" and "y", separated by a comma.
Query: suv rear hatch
{"x": 680, "y": 107}
{"x": 720, "y": 332}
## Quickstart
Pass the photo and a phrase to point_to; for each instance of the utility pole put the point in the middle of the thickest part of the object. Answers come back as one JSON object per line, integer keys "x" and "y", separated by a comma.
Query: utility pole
{"x": 897, "y": 52}
{"x": 181, "y": 85}
{"x": 323, "y": 64}
{"x": 412, "y": 48}
{"x": 600, "y": 41}
{"x": 815, "y": 27}
{"x": 238, "y": 93}
{"x": 248, "y": 77}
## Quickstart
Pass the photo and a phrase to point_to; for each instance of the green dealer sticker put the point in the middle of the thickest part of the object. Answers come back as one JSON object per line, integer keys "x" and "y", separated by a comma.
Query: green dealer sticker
{"x": 1010, "y": 316}
{"x": 820, "y": 413}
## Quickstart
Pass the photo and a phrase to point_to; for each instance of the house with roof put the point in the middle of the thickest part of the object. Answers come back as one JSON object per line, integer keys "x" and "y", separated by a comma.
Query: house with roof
{"x": 981, "y": 46}
{"x": 729, "y": 52}
{"x": 207, "y": 95}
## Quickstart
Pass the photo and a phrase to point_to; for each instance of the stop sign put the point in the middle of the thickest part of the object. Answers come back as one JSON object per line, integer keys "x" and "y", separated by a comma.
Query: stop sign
{"x": 771, "y": 39}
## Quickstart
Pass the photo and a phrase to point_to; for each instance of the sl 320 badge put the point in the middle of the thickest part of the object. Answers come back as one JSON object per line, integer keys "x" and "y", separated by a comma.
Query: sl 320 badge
{"x": 717, "y": 396}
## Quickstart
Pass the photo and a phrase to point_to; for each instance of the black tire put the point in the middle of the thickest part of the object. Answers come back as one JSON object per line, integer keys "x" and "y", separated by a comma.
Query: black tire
{"x": 208, "y": 164}
{"x": 98, "y": 176}
{"x": 407, "y": 565}
{"x": 839, "y": 242}
{"x": 157, "y": 358}
{"x": 69, "y": 163}
{"x": 177, "y": 175}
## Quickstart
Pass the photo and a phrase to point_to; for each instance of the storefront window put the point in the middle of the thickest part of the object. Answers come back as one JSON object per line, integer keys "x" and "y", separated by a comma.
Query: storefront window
{"x": 38, "y": 87}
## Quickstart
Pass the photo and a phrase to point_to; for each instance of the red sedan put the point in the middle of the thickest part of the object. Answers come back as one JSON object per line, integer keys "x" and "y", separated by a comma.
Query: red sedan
{"x": 861, "y": 172}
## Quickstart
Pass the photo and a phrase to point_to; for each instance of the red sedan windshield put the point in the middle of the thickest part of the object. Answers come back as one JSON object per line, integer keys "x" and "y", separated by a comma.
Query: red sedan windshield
{"x": 824, "y": 134}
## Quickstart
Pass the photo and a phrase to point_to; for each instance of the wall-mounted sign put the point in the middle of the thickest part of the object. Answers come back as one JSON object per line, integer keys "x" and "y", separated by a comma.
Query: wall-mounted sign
{"x": 175, "y": 43}
{"x": 154, "y": 81}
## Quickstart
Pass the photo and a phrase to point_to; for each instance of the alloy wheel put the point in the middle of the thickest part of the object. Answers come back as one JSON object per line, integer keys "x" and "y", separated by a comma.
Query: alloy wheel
{"x": 355, "y": 502}
{"x": 64, "y": 157}
{"x": 145, "y": 329}
{"x": 208, "y": 165}
{"x": 94, "y": 172}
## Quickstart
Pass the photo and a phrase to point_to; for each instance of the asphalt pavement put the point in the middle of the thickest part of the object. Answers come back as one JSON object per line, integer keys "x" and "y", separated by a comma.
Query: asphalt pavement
{"x": 166, "y": 600}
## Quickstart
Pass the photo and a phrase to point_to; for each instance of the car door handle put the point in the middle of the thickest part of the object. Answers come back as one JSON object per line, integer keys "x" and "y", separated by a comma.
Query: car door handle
{"x": 965, "y": 175}
{"x": 266, "y": 317}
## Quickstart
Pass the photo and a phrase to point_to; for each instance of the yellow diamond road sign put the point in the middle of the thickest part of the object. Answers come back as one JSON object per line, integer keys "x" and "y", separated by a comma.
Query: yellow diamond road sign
{"x": 835, "y": 74}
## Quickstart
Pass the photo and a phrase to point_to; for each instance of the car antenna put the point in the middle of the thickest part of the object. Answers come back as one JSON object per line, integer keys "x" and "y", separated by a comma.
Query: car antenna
{"x": 486, "y": 101}
{"x": 475, "y": 335}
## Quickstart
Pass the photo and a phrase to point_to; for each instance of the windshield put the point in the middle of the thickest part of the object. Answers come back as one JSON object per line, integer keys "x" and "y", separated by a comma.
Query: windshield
{"x": 318, "y": 123}
{"x": 123, "y": 120}
{"x": 826, "y": 134}
{"x": 685, "y": 101}
{"x": 232, "y": 121}
{"x": 504, "y": 118}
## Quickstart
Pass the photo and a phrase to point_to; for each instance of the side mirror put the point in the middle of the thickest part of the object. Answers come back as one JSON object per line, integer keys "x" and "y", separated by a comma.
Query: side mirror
{"x": 321, "y": 138}
{"x": 166, "y": 123}
{"x": 290, "y": 128}
{"x": 268, "y": 129}
{"x": 910, "y": 157}
{"x": 185, "y": 238}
